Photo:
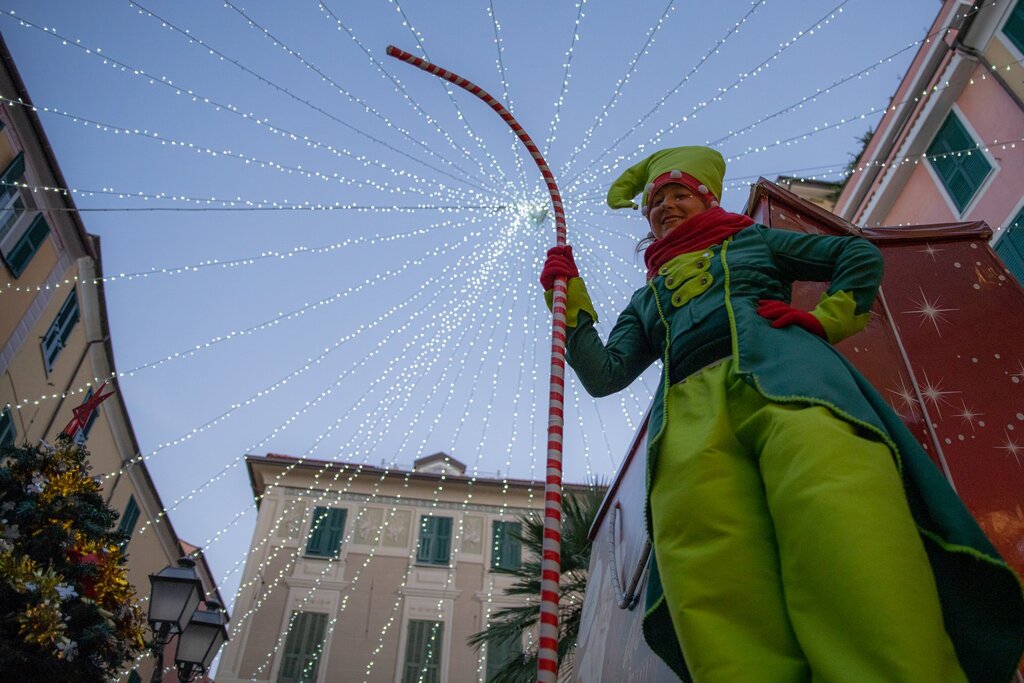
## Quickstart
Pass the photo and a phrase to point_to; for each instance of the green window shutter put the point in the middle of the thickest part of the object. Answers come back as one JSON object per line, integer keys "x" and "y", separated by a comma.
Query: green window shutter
{"x": 134, "y": 677}
{"x": 1010, "y": 247}
{"x": 22, "y": 252}
{"x": 423, "y": 651}
{"x": 7, "y": 431}
{"x": 1014, "y": 26}
{"x": 59, "y": 331}
{"x": 506, "y": 549}
{"x": 303, "y": 647}
{"x": 435, "y": 540}
{"x": 326, "y": 532}
{"x": 128, "y": 519}
{"x": 957, "y": 161}
{"x": 14, "y": 171}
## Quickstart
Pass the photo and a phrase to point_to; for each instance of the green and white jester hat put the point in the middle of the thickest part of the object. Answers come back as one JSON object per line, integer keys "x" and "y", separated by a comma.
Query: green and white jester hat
{"x": 701, "y": 169}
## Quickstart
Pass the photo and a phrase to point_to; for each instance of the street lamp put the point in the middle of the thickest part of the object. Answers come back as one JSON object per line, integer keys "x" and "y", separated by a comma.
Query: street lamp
{"x": 176, "y": 593}
{"x": 199, "y": 642}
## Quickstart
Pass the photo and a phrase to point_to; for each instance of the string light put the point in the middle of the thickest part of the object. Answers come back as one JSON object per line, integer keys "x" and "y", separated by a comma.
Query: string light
{"x": 722, "y": 92}
{"x": 398, "y": 85}
{"x": 480, "y": 142}
{"x": 566, "y": 75}
{"x": 506, "y": 96}
{"x": 437, "y": 492}
{"x": 219, "y": 107}
{"x": 599, "y": 120}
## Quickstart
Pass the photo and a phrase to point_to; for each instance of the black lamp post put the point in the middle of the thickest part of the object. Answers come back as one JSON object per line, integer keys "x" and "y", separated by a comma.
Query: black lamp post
{"x": 199, "y": 642}
{"x": 175, "y": 597}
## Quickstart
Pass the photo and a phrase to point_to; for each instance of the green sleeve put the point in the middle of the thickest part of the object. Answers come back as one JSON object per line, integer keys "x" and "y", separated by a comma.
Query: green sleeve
{"x": 576, "y": 299}
{"x": 604, "y": 368}
{"x": 852, "y": 266}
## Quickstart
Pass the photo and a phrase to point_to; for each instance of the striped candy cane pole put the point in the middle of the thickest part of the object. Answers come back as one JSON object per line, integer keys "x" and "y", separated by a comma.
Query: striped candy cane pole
{"x": 547, "y": 662}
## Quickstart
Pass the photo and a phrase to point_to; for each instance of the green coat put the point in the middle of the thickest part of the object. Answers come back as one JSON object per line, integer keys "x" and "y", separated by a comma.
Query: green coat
{"x": 702, "y": 307}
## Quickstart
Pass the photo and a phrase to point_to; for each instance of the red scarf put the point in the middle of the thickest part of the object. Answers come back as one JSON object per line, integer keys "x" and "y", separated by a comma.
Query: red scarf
{"x": 712, "y": 226}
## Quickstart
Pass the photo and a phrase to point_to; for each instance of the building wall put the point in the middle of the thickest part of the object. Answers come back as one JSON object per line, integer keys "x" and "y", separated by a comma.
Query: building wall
{"x": 988, "y": 102}
{"x": 41, "y": 400}
{"x": 375, "y": 587}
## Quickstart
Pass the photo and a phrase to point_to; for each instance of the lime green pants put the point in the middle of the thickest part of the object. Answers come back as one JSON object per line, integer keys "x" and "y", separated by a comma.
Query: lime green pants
{"x": 786, "y": 547}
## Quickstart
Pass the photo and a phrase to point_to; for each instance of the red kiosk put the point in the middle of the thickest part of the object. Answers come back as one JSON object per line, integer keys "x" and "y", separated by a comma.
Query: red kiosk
{"x": 944, "y": 346}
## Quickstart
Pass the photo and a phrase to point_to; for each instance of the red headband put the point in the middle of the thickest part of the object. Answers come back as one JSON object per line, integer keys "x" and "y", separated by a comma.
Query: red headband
{"x": 684, "y": 179}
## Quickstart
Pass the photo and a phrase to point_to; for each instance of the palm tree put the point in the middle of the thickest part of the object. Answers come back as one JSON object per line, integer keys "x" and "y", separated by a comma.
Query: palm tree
{"x": 509, "y": 624}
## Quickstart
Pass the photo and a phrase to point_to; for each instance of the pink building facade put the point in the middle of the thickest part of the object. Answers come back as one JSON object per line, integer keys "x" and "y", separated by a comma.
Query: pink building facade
{"x": 951, "y": 146}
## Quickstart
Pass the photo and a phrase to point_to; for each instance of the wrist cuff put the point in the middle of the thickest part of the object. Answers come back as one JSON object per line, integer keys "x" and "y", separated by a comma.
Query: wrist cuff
{"x": 576, "y": 299}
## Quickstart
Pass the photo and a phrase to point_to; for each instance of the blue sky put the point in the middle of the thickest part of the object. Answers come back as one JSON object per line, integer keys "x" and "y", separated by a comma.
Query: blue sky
{"x": 385, "y": 333}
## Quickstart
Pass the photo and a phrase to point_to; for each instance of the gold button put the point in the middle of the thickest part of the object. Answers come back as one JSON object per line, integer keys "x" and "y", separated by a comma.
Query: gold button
{"x": 703, "y": 280}
{"x": 663, "y": 270}
{"x": 677, "y": 299}
{"x": 700, "y": 264}
{"x": 669, "y": 280}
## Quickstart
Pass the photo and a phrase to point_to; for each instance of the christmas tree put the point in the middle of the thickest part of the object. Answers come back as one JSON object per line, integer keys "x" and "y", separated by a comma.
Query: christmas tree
{"x": 67, "y": 611}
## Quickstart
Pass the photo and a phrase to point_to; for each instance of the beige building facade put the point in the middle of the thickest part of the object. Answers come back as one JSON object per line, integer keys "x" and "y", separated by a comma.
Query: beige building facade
{"x": 363, "y": 573}
{"x": 55, "y": 345}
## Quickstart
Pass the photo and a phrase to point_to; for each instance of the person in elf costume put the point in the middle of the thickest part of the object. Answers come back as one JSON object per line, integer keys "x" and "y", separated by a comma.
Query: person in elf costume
{"x": 800, "y": 533}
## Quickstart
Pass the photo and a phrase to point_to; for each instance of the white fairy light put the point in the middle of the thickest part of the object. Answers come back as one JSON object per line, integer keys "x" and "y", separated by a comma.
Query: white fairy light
{"x": 218, "y": 106}
{"x": 619, "y": 85}
{"x": 592, "y": 172}
{"x": 399, "y": 87}
{"x": 566, "y": 75}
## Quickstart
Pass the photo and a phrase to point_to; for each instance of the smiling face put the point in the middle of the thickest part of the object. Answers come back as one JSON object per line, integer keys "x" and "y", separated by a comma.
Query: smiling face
{"x": 671, "y": 205}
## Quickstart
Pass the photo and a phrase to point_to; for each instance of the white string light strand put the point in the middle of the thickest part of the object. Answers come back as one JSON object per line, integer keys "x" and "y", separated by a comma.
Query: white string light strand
{"x": 715, "y": 49}
{"x": 619, "y": 85}
{"x": 566, "y": 75}
{"x": 398, "y": 85}
{"x": 480, "y": 142}
{"x": 591, "y": 174}
{"x": 341, "y": 90}
{"x": 218, "y": 106}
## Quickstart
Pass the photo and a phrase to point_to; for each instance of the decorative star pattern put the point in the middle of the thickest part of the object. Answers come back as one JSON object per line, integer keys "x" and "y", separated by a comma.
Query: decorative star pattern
{"x": 968, "y": 415}
{"x": 1011, "y": 447}
{"x": 905, "y": 404}
{"x": 930, "y": 311}
{"x": 83, "y": 412}
{"x": 930, "y": 250}
{"x": 933, "y": 393}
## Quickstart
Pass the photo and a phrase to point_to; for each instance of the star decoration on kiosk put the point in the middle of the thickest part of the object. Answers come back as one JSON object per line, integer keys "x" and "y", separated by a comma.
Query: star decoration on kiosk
{"x": 906, "y": 406}
{"x": 968, "y": 415}
{"x": 934, "y": 394}
{"x": 930, "y": 311}
{"x": 930, "y": 250}
{"x": 1012, "y": 447}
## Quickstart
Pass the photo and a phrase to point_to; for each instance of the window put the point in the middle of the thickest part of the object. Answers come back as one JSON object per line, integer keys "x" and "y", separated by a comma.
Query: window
{"x": 60, "y": 330}
{"x": 325, "y": 532}
{"x": 83, "y": 432}
{"x": 960, "y": 165}
{"x": 11, "y": 201}
{"x": 128, "y": 520}
{"x": 423, "y": 650}
{"x": 506, "y": 552}
{"x": 134, "y": 677}
{"x": 19, "y": 240}
{"x": 501, "y": 653}
{"x": 303, "y": 647}
{"x": 1014, "y": 26}
{"x": 435, "y": 540}
{"x": 27, "y": 245}
{"x": 7, "y": 431}
{"x": 1010, "y": 247}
